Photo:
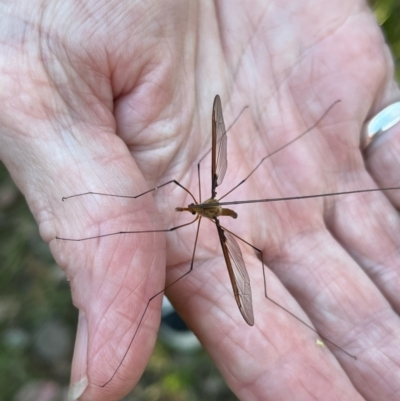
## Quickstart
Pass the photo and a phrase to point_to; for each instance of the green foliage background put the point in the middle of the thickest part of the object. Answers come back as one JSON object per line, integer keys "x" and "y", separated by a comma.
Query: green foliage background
{"x": 387, "y": 13}
{"x": 35, "y": 304}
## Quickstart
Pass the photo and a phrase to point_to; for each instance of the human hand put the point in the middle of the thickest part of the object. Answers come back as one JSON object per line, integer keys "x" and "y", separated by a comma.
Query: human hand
{"x": 117, "y": 98}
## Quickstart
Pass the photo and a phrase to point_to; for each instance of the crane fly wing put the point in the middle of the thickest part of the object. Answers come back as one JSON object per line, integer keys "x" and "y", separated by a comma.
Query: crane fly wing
{"x": 238, "y": 274}
{"x": 222, "y": 139}
{"x": 219, "y": 146}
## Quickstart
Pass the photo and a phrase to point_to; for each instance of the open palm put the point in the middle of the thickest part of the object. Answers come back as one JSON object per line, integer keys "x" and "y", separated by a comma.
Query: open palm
{"x": 116, "y": 98}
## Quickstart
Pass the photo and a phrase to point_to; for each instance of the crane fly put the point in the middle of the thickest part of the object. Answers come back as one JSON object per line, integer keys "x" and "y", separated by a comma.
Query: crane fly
{"x": 212, "y": 209}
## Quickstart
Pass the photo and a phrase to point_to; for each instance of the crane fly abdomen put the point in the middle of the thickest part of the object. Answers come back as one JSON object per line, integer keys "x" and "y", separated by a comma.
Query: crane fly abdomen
{"x": 210, "y": 212}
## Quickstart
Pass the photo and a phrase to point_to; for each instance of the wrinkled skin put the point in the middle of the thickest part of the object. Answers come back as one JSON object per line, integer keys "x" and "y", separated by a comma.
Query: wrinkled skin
{"x": 116, "y": 97}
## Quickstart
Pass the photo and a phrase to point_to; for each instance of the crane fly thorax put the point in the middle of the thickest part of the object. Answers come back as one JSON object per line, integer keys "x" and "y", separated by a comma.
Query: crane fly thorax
{"x": 209, "y": 209}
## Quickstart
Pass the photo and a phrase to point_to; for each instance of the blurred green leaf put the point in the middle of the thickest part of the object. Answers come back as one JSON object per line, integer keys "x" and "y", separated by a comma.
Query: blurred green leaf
{"x": 387, "y": 13}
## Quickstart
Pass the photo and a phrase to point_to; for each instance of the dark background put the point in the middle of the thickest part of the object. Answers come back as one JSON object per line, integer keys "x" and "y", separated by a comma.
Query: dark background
{"x": 38, "y": 321}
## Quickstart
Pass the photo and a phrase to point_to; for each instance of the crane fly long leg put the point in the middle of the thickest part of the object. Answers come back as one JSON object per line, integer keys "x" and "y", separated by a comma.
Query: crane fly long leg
{"x": 233, "y": 245}
{"x": 135, "y": 196}
{"x": 151, "y": 299}
{"x": 358, "y": 191}
{"x": 282, "y": 147}
{"x": 165, "y": 230}
{"x": 238, "y": 273}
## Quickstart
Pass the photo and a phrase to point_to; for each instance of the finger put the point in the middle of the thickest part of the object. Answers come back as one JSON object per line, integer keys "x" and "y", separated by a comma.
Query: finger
{"x": 382, "y": 156}
{"x": 368, "y": 227}
{"x": 113, "y": 277}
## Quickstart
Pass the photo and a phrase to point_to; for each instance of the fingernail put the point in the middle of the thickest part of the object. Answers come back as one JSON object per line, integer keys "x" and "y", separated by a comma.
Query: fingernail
{"x": 79, "y": 379}
{"x": 77, "y": 389}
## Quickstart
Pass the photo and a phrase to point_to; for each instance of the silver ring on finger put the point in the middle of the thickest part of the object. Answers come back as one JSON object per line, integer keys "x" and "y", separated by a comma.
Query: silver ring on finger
{"x": 379, "y": 124}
